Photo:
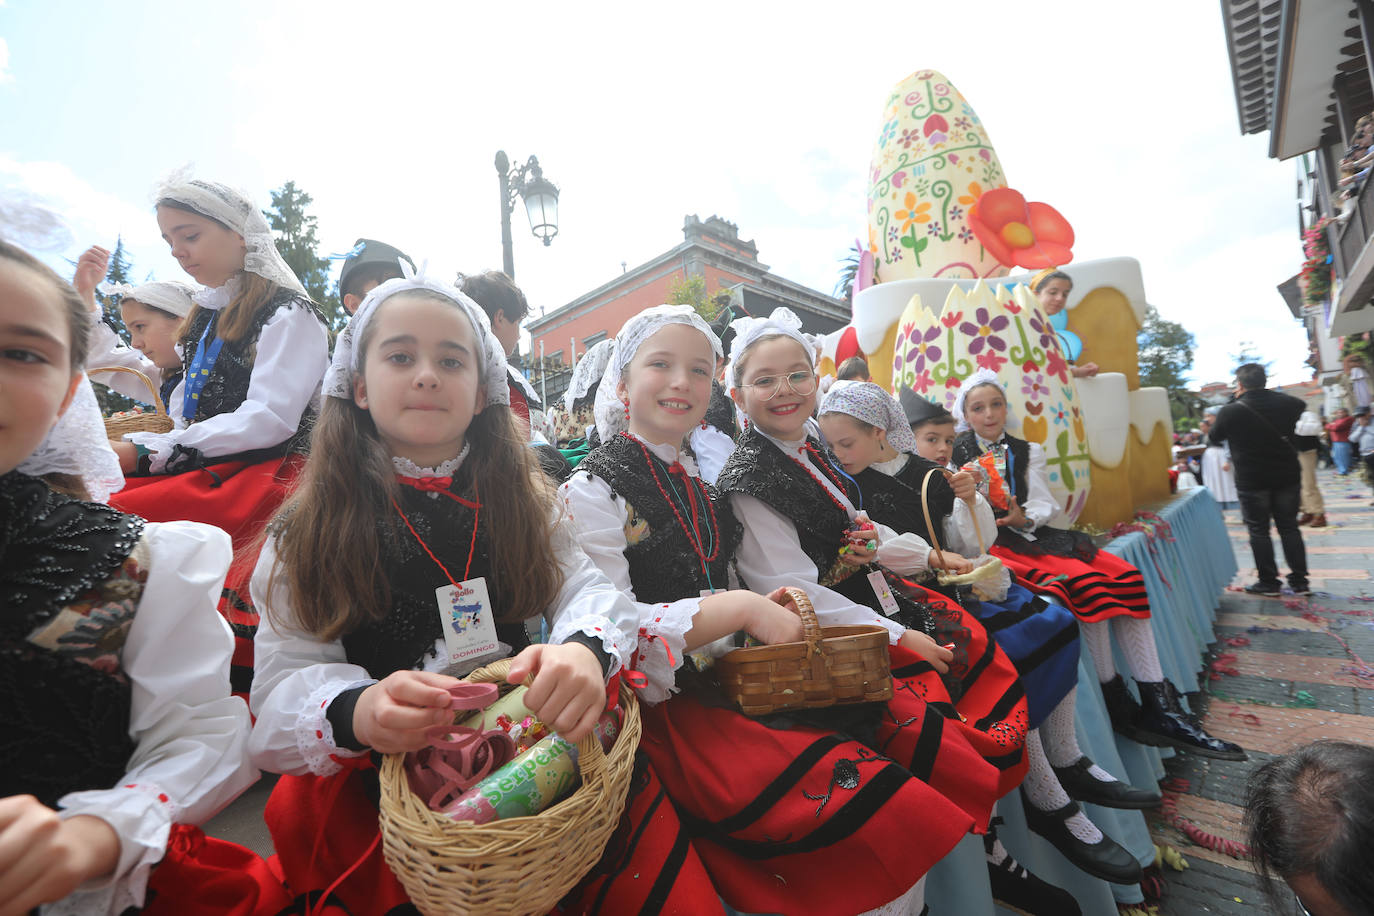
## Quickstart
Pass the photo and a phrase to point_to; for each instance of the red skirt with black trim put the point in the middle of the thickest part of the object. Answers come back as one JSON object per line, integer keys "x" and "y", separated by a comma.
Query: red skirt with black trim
{"x": 326, "y": 827}
{"x": 205, "y": 876}
{"x": 800, "y": 819}
{"x": 239, "y": 498}
{"x": 1105, "y": 588}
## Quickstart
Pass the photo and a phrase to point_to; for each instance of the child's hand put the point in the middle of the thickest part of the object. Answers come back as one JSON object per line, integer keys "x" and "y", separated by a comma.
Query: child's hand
{"x": 399, "y": 713}
{"x": 44, "y": 858}
{"x": 918, "y": 642}
{"x": 90, "y": 270}
{"x": 568, "y": 693}
{"x": 1015, "y": 516}
{"x": 856, "y": 550}
{"x": 963, "y": 485}
{"x": 1087, "y": 370}
{"x": 774, "y": 619}
{"x": 951, "y": 562}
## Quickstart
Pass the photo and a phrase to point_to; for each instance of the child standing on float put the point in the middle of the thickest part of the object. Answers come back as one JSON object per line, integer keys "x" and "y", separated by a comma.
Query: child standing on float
{"x": 120, "y": 733}
{"x": 762, "y": 792}
{"x": 1097, "y": 586}
{"x": 417, "y": 486}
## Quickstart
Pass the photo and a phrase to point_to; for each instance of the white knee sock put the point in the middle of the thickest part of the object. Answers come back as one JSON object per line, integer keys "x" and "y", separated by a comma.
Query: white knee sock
{"x": 1137, "y": 638}
{"x": 909, "y": 904}
{"x": 1099, "y": 640}
{"x": 1060, "y": 741}
{"x": 1044, "y": 791}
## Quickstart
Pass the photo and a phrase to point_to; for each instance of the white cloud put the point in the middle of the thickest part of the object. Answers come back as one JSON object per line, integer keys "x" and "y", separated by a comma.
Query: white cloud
{"x": 643, "y": 114}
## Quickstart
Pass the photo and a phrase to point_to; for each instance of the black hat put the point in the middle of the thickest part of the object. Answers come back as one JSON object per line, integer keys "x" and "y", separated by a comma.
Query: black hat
{"x": 369, "y": 251}
{"x": 919, "y": 410}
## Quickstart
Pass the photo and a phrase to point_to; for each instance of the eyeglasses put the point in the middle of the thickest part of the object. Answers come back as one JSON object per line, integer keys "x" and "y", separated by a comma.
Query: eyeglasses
{"x": 1301, "y": 909}
{"x": 768, "y": 386}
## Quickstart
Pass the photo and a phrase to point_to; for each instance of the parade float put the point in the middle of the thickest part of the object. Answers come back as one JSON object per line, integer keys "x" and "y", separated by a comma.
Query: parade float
{"x": 942, "y": 290}
{"x": 936, "y": 298}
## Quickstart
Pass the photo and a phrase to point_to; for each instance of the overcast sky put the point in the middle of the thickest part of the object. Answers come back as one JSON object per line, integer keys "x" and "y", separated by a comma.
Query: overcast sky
{"x": 1120, "y": 115}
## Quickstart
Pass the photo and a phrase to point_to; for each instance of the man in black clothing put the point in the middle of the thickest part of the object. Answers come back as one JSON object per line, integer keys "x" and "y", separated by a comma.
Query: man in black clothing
{"x": 1259, "y": 424}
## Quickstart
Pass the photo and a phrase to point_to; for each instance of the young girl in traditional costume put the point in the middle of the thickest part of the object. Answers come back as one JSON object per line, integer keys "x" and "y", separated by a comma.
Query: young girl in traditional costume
{"x": 120, "y": 733}
{"x": 254, "y": 349}
{"x": 798, "y": 513}
{"x": 417, "y": 481}
{"x": 761, "y": 793}
{"x": 153, "y": 313}
{"x": 1052, "y": 287}
{"x": 890, "y": 451}
{"x": 1096, "y": 585}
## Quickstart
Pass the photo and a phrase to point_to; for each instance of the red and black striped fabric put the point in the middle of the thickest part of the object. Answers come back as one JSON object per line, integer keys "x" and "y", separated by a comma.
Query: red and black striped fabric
{"x": 1105, "y": 588}
{"x": 779, "y": 814}
{"x": 239, "y": 498}
{"x": 324, "y": 826}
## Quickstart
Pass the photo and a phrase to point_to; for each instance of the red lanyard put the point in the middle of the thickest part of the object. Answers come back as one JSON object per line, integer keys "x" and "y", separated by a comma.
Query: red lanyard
{"x": 692, "y": 532}
{"x": 476, "y": 517}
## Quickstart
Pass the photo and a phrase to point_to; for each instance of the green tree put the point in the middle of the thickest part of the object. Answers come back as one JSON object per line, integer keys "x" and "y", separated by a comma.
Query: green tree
{"x": 692, "y": 291}
{"x": 299, "y": 247}
{"x": 1166, "y": 352}
{"x": 118, "y": 272}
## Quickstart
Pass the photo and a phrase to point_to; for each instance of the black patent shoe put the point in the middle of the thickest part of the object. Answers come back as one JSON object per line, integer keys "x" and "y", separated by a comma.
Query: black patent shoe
{"x": 1122, "y": 709}
{"x": 1085, "y": 787}
{"x": 1164, "y": 724}
{"x": 1016, "y": 889}
{"x": 1106, "y": 859}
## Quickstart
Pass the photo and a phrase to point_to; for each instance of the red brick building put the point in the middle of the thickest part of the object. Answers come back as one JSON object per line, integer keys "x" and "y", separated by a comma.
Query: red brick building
{"x": 712, "y": 250}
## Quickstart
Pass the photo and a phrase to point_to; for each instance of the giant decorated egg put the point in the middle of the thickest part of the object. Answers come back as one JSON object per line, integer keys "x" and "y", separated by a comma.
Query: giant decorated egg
{"x": 932, "y": 161}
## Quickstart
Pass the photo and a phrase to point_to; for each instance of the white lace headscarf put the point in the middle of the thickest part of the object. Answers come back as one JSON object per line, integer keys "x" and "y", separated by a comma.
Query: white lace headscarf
{"x": 609, "y": 410}
{"x": 981, "y": 377}
{"x": 347, "y": 361}
{"x": 77, "y": 445}
{"x": 748, "y": 331}
{"x": 237, "y": 211}
{"x": 168, "y": 295}
{"x": 588, "y": 371}
{"x": 871, "y": 404}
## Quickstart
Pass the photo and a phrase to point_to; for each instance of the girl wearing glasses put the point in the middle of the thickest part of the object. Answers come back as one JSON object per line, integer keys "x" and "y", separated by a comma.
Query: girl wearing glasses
{"x": 799, "y": 512}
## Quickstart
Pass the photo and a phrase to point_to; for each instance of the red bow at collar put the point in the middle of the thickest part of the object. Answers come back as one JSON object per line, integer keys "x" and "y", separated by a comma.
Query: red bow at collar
{"x": 426, "y": 484}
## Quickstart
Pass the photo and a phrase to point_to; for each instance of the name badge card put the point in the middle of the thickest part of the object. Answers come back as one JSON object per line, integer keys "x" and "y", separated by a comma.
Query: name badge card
{"x": 466, "y": 617}
{"x": 883, "y": 591}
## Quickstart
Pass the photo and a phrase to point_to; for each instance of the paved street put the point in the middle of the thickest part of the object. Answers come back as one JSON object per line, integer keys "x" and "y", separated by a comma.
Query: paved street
{"x": 1288, "y": 672}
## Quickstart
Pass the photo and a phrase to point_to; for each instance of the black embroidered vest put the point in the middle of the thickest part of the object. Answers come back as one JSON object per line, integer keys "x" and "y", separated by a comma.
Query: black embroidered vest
{"x": 759, "y": 468}
{"x": 1056, "y": 541}
{"x": 64, "y": 717}
{"x": 664, "y": 565}
{"x": 406, "y": 635}
{"x": 720, "y": 412}
{"x": 227, "y": 387}
{"x": 895, "y": 500}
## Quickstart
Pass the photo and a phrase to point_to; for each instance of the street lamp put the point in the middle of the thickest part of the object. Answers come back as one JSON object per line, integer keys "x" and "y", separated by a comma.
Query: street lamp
{"x": 541, "y": 203}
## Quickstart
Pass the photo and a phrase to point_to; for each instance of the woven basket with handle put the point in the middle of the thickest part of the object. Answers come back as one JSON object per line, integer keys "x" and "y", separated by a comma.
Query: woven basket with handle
{"x": 517, "y": 865}
{"x": 830, "y": 666}
{"x": 989, "y": 579}
{"x": 157, "y": 422}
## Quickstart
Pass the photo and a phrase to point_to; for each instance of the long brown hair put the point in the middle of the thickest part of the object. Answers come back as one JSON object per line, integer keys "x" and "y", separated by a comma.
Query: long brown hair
{"x": 255, "y": 294}
{"x": 329, "y": 531}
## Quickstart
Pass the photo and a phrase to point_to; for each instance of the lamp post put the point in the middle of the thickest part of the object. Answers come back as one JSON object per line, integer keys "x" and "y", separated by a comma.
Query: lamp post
{"x": 541, "y": 203}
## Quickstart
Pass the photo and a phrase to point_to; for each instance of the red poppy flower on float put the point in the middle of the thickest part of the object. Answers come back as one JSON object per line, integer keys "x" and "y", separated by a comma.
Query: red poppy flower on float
{"x": 1020, "y": 234}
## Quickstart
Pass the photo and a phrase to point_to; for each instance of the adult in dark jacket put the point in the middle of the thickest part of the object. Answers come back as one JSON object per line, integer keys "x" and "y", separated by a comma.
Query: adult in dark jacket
{"x": 1258, "y": 424}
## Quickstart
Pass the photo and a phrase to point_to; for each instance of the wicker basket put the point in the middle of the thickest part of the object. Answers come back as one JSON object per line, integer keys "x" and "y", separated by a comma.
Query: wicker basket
{"x": 518, "y": 865}
{"x": 158, "y": 422}
{"x": 830, "y": 666}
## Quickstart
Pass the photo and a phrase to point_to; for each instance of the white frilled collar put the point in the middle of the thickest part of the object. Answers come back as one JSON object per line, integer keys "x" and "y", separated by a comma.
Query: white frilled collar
{"x": 669, "y": 454}
{"x": 893, "y": 467}
{"x": 219, "y": 297}
{"x": 407, "y": 468}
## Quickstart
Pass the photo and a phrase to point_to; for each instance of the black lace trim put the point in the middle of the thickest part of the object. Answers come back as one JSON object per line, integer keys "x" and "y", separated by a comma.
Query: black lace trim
{"x": 52, "y": 549}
